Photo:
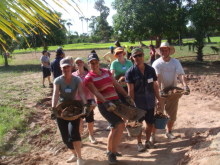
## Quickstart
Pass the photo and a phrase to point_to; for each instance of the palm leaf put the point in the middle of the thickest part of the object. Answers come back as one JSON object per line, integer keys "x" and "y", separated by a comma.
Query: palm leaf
{"x": 23, "y": 16}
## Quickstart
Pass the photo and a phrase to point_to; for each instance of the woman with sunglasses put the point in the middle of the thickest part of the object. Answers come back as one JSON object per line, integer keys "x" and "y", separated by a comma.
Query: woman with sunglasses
{"x": 81, "y": 73}
{"x": 65, "y": 88}
{"x": 119, "y": 67}
{"x": 103, "y": 85}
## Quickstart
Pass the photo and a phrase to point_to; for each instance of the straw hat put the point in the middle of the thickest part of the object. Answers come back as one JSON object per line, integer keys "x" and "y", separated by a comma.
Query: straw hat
{"x": 119, "y": 49}
{"x": 166, "y": 45}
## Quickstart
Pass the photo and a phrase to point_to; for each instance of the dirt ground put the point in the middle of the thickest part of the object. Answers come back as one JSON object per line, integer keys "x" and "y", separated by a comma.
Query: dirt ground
{"x": 196, "y": 128}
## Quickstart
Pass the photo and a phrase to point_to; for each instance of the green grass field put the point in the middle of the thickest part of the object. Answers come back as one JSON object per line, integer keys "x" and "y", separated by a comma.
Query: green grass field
{"x": 78, "y": 46}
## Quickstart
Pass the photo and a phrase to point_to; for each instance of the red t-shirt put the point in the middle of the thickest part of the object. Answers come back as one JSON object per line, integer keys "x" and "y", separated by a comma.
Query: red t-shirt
{"x": 103, "y": 83}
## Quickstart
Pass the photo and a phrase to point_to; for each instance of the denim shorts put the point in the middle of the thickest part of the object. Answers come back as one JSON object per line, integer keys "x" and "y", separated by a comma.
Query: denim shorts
{"x": 112, "y": 118}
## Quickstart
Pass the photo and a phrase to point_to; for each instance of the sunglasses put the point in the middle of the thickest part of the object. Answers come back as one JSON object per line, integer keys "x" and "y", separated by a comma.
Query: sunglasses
{"x": 138, "y": 55}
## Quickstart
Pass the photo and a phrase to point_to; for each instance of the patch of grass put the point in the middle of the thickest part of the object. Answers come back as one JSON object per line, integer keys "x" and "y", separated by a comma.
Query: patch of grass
{"x": 10, "y": 118}
{"x": 78, "y": 46}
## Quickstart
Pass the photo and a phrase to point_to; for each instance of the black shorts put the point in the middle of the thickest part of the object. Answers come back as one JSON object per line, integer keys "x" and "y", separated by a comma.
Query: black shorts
{"x": 46, "y": 72}
{"x": 90, "y": 118}
{"x": 149, "y": 117}
{"x": 112, "y": 118}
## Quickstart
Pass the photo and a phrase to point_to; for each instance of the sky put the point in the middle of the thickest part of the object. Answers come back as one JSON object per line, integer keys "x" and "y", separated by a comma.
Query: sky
{"x": 87, "y": 8}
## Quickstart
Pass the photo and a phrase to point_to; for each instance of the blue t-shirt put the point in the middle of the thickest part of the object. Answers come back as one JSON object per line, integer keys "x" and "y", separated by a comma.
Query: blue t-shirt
{"x": 55, "y": 67}
{"x": 144, "y": 95}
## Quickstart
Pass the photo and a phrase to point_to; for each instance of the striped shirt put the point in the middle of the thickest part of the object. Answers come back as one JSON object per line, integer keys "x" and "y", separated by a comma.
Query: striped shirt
{"x": 103, "y": 83}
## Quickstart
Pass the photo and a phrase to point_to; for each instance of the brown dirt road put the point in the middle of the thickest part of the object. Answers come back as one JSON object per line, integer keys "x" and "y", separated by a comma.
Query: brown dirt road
{"x": 197, "y": 125}
{"x": 198, "y": 114}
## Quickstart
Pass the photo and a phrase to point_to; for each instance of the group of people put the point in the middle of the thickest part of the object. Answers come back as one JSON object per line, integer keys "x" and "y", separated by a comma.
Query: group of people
{"x": 132, "y": 82}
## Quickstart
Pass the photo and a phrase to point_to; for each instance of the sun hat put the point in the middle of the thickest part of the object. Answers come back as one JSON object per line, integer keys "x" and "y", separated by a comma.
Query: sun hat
{"x": 135, "y": 50}
{"x": 78, "y": 59}
{"x": 92, "y": 56}
{"x": 119, "y": 49}
{"x": 65, "y": 62}
{"x": 165, "y": 45}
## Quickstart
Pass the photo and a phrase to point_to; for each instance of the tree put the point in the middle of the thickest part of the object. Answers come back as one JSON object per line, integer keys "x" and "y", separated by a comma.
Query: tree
{"x": 137, "y": 20}
{"x": 81, "y": 19}
{"x": 99, "y": 25}
{"x": 87, "y": 21}
{"x": 204, "y": 15}
{"x": 69, "y": 24}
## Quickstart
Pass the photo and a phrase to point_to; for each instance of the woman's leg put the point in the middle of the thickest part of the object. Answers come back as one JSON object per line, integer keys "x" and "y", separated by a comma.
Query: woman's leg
{"x": 81, "y": 126}
{"x": 74, "y": 136}
{"x": 90, "y": 123}
{"x": 77, "y": 147}
{"x": 90, "y": 128}
{"x": 117, "y": 133}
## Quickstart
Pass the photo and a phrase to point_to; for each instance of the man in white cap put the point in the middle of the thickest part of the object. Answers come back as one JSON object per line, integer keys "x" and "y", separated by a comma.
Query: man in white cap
{"x": 167, "y": 70}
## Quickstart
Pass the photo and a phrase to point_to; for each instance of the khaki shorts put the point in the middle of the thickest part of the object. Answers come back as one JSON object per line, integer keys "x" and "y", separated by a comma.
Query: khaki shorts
{"x": 170, "y": 105}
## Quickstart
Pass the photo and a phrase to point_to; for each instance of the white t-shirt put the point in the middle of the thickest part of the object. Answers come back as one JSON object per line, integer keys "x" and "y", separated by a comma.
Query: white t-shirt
{"x": 46, "y": 60}
{"x": 168, "y": 71}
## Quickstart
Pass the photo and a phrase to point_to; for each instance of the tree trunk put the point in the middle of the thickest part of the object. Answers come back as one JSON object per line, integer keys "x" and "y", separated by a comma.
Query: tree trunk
{"x": 199, "y": 53}
{"x": 199, "y": 47}
{"x": 6, "y": 60}
{"x": 158, "y": 41}
{"x": 209, "y": 40}
{"x": 169, "y": 40}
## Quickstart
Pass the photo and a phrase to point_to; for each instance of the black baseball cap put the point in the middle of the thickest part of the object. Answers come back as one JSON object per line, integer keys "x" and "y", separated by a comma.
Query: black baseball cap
{"x": 92, "y": 56}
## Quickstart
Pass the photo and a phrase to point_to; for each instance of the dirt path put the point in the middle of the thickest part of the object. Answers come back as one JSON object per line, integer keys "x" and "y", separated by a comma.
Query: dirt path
{"x": 198, "y": 113}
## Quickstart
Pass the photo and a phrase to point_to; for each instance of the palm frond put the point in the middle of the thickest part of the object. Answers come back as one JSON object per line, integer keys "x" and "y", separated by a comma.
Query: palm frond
{"x": 23, "y": 16}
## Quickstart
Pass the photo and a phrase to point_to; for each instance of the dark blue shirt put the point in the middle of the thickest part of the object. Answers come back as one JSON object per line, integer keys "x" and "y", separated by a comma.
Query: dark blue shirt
{"x": 144, "y": 95}
{"x": 55, "y": 67}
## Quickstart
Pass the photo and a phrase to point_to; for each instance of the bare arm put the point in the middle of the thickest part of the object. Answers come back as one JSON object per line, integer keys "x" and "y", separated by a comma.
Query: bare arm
{"x": 106, "y": 57}
{"x": 113, "y": 71}
{"x": 159, "y": 81}
{"x": 130, "y": 90}
{"x": 55, "y": 96}
{"x": 156, "y": 90}
{"x": 81, "y": 93}
{"x": 182, "y": 79}
{"x": 119, "y": 88}
{"x": 94, "y": 90}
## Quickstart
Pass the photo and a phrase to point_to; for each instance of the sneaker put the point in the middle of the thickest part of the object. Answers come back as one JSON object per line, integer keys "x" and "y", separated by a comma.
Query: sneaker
{"x": 80, "y": 161}
{"x": 73, "y": 158}
{"x": 170, "y": 136}
{"x": 140, "y": 147}
{"x": 116, "y": 154}
{"x": 43, "y": 86}
{"x": 112, "y": 158}
{"x": 149, "y": 145}
{"x": 92, "y": 139}
{"x": 153, "y": 138}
